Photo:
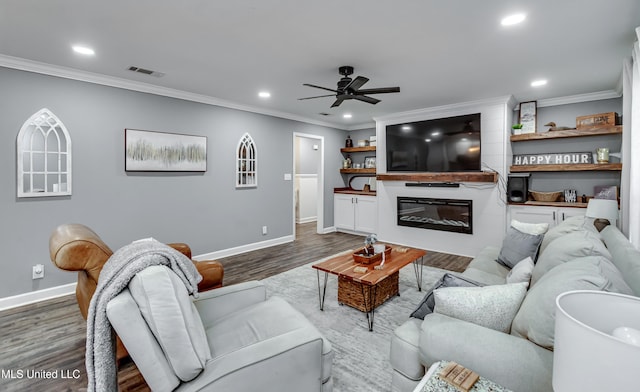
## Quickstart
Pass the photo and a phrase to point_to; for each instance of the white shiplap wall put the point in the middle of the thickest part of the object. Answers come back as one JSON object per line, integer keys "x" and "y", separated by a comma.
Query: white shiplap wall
{"x": 489, "y": 207}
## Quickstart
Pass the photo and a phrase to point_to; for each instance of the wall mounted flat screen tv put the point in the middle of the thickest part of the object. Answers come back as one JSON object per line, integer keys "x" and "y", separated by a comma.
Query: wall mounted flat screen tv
{"x": 449, "y": 144}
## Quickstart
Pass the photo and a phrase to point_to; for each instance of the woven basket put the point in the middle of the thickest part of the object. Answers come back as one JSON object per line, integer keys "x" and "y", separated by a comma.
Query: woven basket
{"x": 356, "y": 295}
{"x": 545, "y": 196}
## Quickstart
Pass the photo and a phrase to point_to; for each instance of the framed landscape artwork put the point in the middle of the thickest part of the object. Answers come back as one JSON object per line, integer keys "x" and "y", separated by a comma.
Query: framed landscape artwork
{"x": 161, "y": 151}
{"x": 528, "y": 117}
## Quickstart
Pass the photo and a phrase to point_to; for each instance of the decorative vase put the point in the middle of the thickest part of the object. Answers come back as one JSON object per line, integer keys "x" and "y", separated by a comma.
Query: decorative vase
{"x": 348, "y": 142}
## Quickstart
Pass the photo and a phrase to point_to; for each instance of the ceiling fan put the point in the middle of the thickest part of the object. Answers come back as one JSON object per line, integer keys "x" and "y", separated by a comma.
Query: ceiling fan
{"x": 349, "y": 88}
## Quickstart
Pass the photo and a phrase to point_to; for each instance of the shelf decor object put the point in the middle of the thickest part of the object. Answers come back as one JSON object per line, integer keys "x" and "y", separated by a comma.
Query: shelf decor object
{"x": 43, "y": 156}
{"x": 545, "y": 196}
{"x": 151, "y": 151}
{"x": 370, "y": 162}
{"x": 565, "y": 158}
{"x": 246, "y": 163}
{"x": 596, "y": 342}
{"x": 528, "y": 117}
{"x": 597, "y": 120}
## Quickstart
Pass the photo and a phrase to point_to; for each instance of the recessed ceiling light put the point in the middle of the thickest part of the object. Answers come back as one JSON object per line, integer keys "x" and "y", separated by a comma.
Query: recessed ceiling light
{"x": 264, "y": 94}
{"x": 436, "y": 133}
{"x": 538, "y": 83}
{"x": 83, "y": 50}
{"x": 513, "y": 19}
{"x": 347, "y": 115}
{"x": 427, "y": 140}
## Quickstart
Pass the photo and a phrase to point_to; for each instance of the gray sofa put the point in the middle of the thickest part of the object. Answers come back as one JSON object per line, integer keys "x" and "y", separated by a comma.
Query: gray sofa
{"x": 572, "y": 256}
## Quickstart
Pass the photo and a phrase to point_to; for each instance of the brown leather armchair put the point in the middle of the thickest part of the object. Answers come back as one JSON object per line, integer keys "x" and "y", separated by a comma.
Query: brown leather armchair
{"x": 75, "y": 247}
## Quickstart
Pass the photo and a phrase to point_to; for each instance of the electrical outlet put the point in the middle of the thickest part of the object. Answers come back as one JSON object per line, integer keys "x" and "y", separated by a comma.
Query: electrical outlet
{"x": 38, "y": 271}
{"x": 264, "y": 230}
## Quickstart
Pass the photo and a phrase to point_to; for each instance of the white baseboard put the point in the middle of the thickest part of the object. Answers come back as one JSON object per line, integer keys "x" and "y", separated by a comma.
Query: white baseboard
{"x": 327, "y": 230}
{"x": 307, "y": 219}
{"x": 58, "y": 291}
{"x": 36, "y": 296}
{"x": 244, "y": 248}
{"x": 352, "y": 232}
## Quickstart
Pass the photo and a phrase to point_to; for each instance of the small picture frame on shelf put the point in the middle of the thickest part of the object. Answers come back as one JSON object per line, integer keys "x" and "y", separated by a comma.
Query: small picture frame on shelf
{"x": 370, "y": 162}
{"x": 605, "y": 192}
{"x": 528, "y": 117}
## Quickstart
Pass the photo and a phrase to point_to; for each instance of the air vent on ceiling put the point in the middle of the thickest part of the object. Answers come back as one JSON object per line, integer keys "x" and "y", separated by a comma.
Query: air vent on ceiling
{"x": 146, "y": 71}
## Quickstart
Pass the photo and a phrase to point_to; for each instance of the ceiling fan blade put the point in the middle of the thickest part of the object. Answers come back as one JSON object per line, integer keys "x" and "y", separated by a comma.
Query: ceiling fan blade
{"x": 317, "y": 96}
{"x": 357, "y": 83}
{"x": 340, "y": 98}
{"x": 366, "y": 99}
{"x": 381, "y": 90}
{"x": 320, "y": 87}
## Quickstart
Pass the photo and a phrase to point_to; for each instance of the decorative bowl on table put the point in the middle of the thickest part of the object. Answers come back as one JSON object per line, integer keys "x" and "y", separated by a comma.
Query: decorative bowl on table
{"x": 361, "y": 256}
{"x": 545, "y": 196}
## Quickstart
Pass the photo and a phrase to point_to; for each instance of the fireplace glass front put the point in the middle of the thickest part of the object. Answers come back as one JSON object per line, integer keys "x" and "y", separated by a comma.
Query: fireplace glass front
{"x": 436, "y": 214}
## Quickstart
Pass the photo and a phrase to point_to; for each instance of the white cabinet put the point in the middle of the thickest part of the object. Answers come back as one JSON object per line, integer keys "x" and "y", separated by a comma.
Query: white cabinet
{"x": 355, "y": 213}
{"x": 539, "y": 214}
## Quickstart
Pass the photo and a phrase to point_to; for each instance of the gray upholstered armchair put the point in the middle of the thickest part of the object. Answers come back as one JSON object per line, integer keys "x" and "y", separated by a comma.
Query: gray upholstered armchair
{"x": 229, "y": 339}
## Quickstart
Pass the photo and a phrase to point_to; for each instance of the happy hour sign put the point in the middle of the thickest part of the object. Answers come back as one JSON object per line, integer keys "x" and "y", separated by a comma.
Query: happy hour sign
{"x": 567, "y": 158}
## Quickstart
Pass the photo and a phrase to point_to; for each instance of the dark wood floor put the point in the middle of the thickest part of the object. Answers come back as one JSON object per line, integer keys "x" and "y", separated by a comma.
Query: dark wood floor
{"x": 50, "y": 335}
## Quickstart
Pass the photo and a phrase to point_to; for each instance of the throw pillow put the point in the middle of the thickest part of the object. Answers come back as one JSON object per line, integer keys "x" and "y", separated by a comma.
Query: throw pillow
{"x": 569, "y": 225}
{"x": 172, "y": 318}
{"x": 535, "y": 320}
{"x": 448, "y": 280}
{"x": 521, "y": 272}
{"x": 530, "y": 228}
{"x": 517, "y": 246}
{"x": 570, "y": 246}
{"x": 489, "y": 306}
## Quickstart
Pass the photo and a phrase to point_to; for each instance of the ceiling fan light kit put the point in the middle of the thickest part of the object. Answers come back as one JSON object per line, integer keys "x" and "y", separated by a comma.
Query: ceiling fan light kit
{"x": 349, "y": 88}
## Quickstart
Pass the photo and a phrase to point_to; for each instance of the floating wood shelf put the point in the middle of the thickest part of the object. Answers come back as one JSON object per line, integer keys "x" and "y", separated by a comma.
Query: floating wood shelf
{"x": 440, "y": 177}
{"x": 358, "y": 171}
{"x": 571, "y": 167}
{"x": 555, "y": 204}
{"x": 567, "y": 133}
{"x": 358, "y": 149}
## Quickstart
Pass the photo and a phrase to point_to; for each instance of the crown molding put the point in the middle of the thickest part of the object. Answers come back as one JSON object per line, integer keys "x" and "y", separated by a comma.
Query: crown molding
{"x": 358, "y": 127}
{"x": 597, "y": 96}
{"x": 439, "y": 110}
{"x": 112, "y": 81}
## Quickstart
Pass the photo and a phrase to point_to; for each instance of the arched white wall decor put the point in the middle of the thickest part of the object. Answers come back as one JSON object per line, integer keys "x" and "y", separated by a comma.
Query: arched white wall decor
{"x": 44, "y": 156}
{"x": 246, "y": 163}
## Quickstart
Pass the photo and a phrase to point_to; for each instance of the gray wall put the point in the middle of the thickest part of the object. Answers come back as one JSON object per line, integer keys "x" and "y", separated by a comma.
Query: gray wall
{"x": 202, "y": 209}
{"x": 308, "y": 158}
{"x": 565, "y": 115}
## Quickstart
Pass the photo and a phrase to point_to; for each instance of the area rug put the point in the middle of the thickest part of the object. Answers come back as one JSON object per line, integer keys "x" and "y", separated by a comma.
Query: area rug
{"x": 361, "y": 361}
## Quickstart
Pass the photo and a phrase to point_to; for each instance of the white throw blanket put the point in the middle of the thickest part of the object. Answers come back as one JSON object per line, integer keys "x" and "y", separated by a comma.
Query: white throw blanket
{"x": 115, "y": 276}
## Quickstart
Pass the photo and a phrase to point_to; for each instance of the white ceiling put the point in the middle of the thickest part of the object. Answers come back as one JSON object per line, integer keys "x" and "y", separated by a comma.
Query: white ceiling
{"x": 438, "y": 52}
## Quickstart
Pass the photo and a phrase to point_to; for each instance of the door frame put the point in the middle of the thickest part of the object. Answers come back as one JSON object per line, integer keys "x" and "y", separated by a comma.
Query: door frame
{"x": 320, "y": 195}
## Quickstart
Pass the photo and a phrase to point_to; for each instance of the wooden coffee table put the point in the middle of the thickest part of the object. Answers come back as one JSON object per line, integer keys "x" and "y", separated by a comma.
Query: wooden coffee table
{"x": 367, "y": 290}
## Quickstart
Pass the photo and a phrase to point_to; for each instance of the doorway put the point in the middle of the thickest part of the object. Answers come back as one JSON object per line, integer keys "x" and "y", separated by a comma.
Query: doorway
{"x": 308, "y": 180}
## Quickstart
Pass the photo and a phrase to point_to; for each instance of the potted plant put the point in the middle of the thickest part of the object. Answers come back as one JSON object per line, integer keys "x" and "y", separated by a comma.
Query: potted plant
{"x": 515, "y": 128}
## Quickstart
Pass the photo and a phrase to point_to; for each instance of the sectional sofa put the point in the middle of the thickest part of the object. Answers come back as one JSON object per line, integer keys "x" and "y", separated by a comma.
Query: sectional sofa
{"x": 572, "y": 256}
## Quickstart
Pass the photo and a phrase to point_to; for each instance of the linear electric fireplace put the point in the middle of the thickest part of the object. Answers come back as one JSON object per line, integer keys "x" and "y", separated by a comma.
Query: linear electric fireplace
{"x": 436, "y": 214}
